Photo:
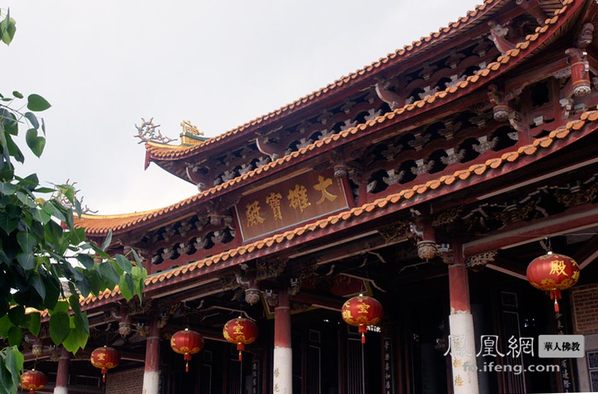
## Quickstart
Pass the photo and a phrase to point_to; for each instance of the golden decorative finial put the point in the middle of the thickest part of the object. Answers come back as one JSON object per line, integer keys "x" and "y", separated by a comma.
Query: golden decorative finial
{"x": 190, "y": 128}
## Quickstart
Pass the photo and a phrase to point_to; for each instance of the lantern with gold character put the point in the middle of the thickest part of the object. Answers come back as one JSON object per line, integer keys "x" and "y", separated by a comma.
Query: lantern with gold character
{"x": 33, "y": 380}
{"x": 186, "y": 342}
{"x": 553, "y": 272}
{"x": 240, "y": 332}
{"x": 362, "y": 311}
{"x": 105, "y": 358}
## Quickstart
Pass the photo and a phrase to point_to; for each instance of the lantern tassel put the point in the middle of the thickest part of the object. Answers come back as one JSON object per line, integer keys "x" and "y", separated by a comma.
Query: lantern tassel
{"x": 363, "y": 329}
{"x": 187, "y": 358}
{"x": 240, "y": 348}
{"x": 556, "y": 295}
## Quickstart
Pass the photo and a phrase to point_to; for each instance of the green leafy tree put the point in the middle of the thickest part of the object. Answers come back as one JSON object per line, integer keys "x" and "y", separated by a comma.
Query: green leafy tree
{"x": 46, "y": 262}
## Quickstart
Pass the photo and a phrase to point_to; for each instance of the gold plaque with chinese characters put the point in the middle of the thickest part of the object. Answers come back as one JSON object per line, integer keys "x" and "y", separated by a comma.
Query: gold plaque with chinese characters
{"x": 291, "y": 202}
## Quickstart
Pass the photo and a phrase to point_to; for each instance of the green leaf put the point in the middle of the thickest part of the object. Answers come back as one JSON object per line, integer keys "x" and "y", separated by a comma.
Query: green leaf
{"x": 34, "y": 323}
{"x": 127, "y": 288}
{"x": 59, "y": 327}
{"x": 5, "y": 325}
{"x": 32, "y": 119}
{"x": 38, "y": 285}
{"x": 50, "y": 208}
{"x": 41, "y": 216}
{"x": 17, "y": 94}
{"x": 14, "y": 150}
{"x": 61, "y": 306}
{"x": 107, "y": 241}
{"x": 26, "y": 241}
{"x": 7, "y": 188}
{"x": 8, "y": 223}
{"x": 11, "y": 367}
{"x": 107, "y": 272}
{"x": 26, "y": 261}
{"x": 8, "y": 28}
{"x": 85, "y": 260}
{"x": 35, "y": 143}
{"x": 26, "y": 199}
{"x": 79, "y": 333}
{"x": 123, "y": 263}
{"x": 15, "y": 336}
{"x": 37, "y": 103}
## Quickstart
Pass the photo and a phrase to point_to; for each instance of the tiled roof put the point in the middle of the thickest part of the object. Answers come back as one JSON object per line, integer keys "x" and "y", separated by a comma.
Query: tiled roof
{"x": 98, "y": 225}
{"x": 465, "y": 176}
{"x": 160, "y": 152}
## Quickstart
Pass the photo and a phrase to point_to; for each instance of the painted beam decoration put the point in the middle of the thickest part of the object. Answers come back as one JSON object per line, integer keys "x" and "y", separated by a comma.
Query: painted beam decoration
{"x": 293, "y": 201}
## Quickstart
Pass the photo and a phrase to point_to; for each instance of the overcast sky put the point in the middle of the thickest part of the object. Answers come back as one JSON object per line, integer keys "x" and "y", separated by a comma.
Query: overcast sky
{"x": 104, "y": 64}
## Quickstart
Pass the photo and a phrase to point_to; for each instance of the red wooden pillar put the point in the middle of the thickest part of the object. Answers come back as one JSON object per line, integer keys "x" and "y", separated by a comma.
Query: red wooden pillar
{"x": 283, "y": 352}
{"x": 62, "y": 374}
{"x": 462, "y": 338}
{"x": 151, "y": 374}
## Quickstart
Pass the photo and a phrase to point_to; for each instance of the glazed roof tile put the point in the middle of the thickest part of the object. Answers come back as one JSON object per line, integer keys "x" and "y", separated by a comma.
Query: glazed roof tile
{"x": 161, "y": 152}
{"x": 476, "y": 170}
{"x": 99, "y": 224}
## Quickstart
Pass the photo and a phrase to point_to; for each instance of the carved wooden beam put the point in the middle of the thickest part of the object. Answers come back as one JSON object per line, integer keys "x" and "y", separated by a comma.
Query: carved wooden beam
{"x": 498, "y": 34}
{"x": 389, "y": 97}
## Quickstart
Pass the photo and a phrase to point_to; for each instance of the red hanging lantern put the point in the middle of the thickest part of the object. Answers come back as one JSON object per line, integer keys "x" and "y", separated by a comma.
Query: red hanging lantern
{"x": 553, "y": 272}
{"x": 33, "y": 380}
{"x": 362, "y": 311}
{"x": 240, "y": 332}
{"x": 105, "y": 358}
{"x": 186, "y": 342}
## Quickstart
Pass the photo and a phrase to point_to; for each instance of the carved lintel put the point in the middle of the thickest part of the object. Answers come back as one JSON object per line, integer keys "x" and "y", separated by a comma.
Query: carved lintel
{"x": 485, "y": 144}
{"x": 394, "y": 232}
{"x": 454, "y": 59}
{"x": 481, "y": 260}
{"x": 195, "y": 175}
{"x": 452, "y": 157}
{"x": 447, "y": 217}
{"x": 419, "y": 141}
{"x": 393, "y": 177}
{"x": 389, "y": 97}
{"x": 265, "y": 146}
{"x": 422, "y": 167}
{"x": 269, "y": 269}
{"x": 498, "y": 35}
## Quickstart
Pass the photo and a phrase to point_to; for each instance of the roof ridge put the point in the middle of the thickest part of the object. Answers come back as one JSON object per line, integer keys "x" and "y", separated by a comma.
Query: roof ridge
{"x": 483, "y": 73}
{"x": 407, "y": 49}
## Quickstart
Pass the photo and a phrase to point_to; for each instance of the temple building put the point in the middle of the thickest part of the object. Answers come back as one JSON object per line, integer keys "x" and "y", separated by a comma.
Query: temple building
{"x": 427, "y": 180}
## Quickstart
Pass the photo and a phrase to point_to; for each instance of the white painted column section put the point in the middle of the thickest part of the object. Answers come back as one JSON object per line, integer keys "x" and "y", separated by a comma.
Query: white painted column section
{"x": 151, "y": 373}
{"x": 283, "y": 353}
{"x": 463, "y": 351}
{"x": 62, "y": 374}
